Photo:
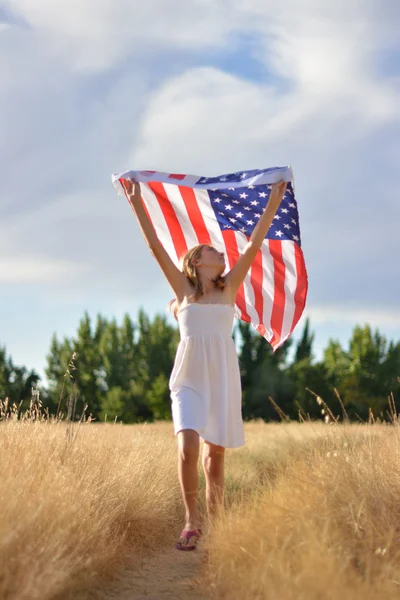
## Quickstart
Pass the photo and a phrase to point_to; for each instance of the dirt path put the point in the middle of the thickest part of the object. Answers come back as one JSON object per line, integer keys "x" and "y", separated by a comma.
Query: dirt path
{"x": 170, "y": 575}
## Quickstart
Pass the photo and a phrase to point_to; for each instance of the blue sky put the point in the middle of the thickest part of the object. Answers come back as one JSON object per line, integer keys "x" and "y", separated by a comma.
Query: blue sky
{"x": 97, "y": 87}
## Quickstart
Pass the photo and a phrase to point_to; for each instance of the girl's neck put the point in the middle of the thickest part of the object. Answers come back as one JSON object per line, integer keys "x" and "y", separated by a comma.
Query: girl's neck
{"x": 208, "y": 283}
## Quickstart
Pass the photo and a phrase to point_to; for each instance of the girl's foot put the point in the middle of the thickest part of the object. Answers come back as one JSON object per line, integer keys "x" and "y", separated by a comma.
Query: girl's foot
{"x": 188, "y": 539}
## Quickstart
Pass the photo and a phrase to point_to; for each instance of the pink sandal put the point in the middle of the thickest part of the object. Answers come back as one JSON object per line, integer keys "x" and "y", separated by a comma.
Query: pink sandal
{"x": 188, "y": 539}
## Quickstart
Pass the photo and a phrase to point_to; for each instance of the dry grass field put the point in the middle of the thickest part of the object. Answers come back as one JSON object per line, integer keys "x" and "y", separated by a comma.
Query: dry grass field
{"x": 312, "y": 512}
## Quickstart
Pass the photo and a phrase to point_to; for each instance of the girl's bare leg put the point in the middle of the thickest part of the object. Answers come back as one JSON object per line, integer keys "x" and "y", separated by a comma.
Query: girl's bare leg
{"x": 188, "y": 455}
{"x": 213, "y": 465}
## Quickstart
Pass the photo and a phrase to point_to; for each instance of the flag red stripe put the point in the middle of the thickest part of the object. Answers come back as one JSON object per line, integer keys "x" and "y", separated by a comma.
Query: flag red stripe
{"x": 233, "y": 256}
{"x": 171, "y": 219}
{"x": 301, "y": 286}
{"x": 279, "y": 292}
{"x": 261, "y": 329}
{"x": 175, "y": 176}
{"x": 194, "y": 214}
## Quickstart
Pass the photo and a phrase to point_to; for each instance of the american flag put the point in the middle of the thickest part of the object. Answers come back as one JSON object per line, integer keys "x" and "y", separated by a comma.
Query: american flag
{"x": 187, "y": 210}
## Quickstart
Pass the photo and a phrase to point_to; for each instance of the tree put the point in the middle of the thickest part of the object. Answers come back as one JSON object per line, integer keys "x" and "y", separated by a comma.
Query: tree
{"x": 60, "y": 372}
{"x": 121, "y": 377}
{"x": 304, "y": 345}
{"x": 366, "y": 373}
{"x": 117, "y": 404}
{"x": 308, "y": 378}
{"x": 88, "y": 373}
{"x": 16, "y": 382}
{"x": 263, "y": 374}
{"x": 158, "y": 398}
{"x": 114, "y": 372}
{"x": 368, "y": 380}
{"x": 76, "y": 362}
{"x": 123, "y": 371}
{"x": 156, "y": 347}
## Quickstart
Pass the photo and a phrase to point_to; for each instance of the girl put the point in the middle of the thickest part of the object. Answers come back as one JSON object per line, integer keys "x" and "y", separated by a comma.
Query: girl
{"x": 205, "y": 381}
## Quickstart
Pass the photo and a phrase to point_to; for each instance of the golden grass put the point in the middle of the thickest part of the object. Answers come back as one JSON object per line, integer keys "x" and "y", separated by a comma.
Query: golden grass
{"x": 312, "y": 510}
{"x": 328, "y": 528}
{"x": 74, "y": 514}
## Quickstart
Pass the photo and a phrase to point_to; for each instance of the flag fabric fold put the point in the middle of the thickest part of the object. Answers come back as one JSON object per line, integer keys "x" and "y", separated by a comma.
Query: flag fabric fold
{"x": 187, "y": 210}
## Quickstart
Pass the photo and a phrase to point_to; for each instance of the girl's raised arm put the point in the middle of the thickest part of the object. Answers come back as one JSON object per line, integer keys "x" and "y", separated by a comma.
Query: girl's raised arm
{"x": 238, "y": 272}
{"x": 175, "y": 277}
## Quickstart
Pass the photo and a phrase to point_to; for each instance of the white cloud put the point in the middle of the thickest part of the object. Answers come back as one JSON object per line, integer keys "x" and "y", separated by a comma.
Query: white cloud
{"x": 96, "y": 34}
{"x": 93, "y": 99}
{"x": 27, "y": 269}
{"x": 340, "y": 314}
{"x": 335, "y": 119}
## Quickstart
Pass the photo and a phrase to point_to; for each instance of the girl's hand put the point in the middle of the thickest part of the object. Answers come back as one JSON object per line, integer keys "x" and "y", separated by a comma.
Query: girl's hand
{"x": 277, "y": 193}
{"x": 132, "y": 189}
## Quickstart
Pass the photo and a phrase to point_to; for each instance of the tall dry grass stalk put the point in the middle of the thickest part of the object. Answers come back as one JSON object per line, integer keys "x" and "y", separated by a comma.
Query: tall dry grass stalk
{"x": 328, "y": 528}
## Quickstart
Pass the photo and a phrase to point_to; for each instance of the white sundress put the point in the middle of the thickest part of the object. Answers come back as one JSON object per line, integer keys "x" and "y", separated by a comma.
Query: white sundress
{"x": 205, "y": 382}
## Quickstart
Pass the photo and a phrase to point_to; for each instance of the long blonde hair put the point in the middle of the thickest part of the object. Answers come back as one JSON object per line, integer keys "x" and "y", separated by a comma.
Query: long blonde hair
{"x": 191, "y": 272}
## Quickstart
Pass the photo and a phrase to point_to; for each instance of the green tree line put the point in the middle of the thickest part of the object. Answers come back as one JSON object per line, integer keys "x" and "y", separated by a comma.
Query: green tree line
{"x": 122, "y": 371}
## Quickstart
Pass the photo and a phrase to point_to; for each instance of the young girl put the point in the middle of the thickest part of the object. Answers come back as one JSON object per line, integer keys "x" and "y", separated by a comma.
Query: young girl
{"x": 205, "y": 381}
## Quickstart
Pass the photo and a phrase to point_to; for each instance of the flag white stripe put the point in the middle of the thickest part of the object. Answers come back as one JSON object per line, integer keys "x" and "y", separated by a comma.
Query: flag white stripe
{"x": 268, "y": 287}
{"x": 159, "y": 222}
{"x": 208, "y": 213}
{"x": 289, "y": 259}
{"x": 175, "y": 197}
